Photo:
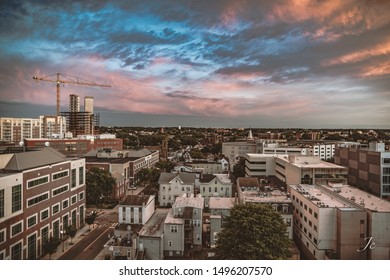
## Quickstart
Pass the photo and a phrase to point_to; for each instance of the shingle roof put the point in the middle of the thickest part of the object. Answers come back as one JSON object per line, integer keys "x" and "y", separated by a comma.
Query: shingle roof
{"x": 186, "y": 178}
{"x": 28, "y": 160}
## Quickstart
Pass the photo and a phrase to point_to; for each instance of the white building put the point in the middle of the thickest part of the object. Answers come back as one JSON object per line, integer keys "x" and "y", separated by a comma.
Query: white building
{"x": 136, "y": 209}
{"x": 338, "y": 222}
{"x": 218, "y": 185}
{"x": 309, "y": 170}
{"x": 173, "y": 185}
{"x": 261, "y": 164}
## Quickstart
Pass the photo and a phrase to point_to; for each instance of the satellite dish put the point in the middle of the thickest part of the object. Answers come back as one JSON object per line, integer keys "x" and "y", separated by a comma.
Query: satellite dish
{"x": 21, "y": 143}
{"x": 47, "y": 144}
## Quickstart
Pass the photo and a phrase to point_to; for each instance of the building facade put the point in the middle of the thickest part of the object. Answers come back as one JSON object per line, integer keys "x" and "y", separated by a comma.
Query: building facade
{"x": 183, "y": 227}
{"x": 368, "y": 168}
{"x": 338, "y": 221}
{"x": 41, "y": 193}
{"x": 309, "y": 170}
{"x": 136, "y": 209}
{"x": 217, "y": 185}
{"x": 174, "y": 185}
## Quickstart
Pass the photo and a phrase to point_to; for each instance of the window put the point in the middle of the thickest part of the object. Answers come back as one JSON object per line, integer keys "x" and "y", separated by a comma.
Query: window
{"x": 65, "y": 203}
{"x": 60, "y": 175}
{"x": 73, "y": 178}
{"x": 315, "y": 215}
{"x": 288, "y": 221}
{"x": 16, "y": 251}
{"x": 31, "y": 221}
{"x": 55, "y": 209}
{"x": 44, "y": 214}
{"x": 16, "y": 229}
{"x": 362, "y": 222}
{"x": 37, "y": 182}
{"x": 2, "y": 236}
{"x": 216, "y": 189}
{"x": 45, "y": 234}
{"x": 310, "y": 223}
{"x": 16, "y": 198}
{"x": 174, "y": 228}
{"x": 315, "y": 228}
{"x": 32, "y": 247}
{"x": 170, "y": 243}
{"x": 37, "y": 199}
{"x": 60, "y": 190}
{"x": 1, "y": 203}
{"x": 81, "y": 175}
{"x": 74, "y": 199}
{"x": 315, "y": 241}
{"x": 310, "y": 211}
{"x": 81, "y": 196}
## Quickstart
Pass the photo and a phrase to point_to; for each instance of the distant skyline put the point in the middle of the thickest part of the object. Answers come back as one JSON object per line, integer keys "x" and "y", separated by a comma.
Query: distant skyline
{"x": 271, "y": 64}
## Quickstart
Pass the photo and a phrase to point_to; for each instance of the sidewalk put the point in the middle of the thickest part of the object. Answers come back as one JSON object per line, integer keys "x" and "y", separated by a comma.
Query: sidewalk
{"x": 65, "y": 246}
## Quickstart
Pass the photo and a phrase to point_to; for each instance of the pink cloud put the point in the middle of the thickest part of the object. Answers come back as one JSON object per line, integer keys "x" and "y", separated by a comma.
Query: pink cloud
{"x": 378, "y": 50}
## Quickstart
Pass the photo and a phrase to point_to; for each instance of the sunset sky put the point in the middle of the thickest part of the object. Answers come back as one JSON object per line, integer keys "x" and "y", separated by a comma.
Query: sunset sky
{"x": 211, "y": 63}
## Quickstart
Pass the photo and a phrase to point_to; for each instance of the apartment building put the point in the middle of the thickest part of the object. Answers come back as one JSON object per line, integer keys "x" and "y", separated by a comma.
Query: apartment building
{"x": 41, "y": 193}
{"x": 183, "y": 227}
{"x": 368, "y": 168}
{"x": 340, "y": 222}
{"x": 217, "y": 185}
{"x": 174, "y": 185}
{"x": 309, "y": 170}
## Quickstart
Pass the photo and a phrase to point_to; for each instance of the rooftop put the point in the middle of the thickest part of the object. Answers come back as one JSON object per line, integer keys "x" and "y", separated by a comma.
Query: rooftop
{"x": 310, "y": 162}
{"x": 185, "y": 178}
{"x": 171, "y": 219}
{"x": 364, "y": 199}
{"x": 192, "y": 201}
{"x": 155, "y": 225}
{"x": 137, "y": 200}
{"x": 248, "y": 182}
{"x": 343, "y": 196}
{"x": 221, "y": 202}
{"x": 274, "y": 196}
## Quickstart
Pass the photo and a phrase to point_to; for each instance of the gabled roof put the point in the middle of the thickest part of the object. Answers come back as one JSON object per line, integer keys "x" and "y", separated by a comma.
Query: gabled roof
{"x": 186, "y": 178}
{"x": 33, "y": 159}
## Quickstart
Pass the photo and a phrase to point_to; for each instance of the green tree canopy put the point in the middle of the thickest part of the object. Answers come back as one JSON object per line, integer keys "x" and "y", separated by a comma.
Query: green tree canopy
{"x": 100, "y": 183}
{"x": 253, "y": 232}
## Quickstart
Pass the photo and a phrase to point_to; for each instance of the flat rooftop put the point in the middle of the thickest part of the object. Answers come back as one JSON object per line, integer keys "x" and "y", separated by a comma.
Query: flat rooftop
{"x": 155, "y": 226}
{"x": 221, "y": 202}
{"x": 171, "y": 219}
{"x": 364, "y": 199}
{"x": 275, "y": 196}
{"x": 319, "y": 197}
{"x": 192, "y": 201}
{"x": 343, "y": 196}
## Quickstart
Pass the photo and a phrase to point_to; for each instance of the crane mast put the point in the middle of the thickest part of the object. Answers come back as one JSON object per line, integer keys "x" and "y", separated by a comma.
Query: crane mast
{"x": 67, "y": 79}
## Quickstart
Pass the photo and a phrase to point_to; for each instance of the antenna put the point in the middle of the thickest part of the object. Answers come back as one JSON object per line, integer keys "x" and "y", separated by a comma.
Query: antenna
{"x": 21, "y": 143}
{"x": 47, "y": 144}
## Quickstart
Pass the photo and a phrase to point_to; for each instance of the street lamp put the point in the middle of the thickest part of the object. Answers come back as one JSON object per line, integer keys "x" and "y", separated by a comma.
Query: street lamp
{"x": 62, "y": 240}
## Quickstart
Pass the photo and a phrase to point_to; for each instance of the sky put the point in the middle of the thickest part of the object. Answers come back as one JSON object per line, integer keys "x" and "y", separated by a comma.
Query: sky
{"x": 219, "y": 63}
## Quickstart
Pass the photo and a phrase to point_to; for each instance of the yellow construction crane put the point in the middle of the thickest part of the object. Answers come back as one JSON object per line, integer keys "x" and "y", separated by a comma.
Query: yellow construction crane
{"x": 66, "y": 79}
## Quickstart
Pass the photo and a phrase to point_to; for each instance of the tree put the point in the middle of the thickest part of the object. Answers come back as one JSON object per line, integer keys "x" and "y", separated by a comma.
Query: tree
{"x": 71, "y": 231}
{"x": 253, "y": 232}
{"x": 90, "y": 219}
{"x": 100, "y": 184}
{"x": 50, "y": 245}
{"x": 239, "y": 168}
